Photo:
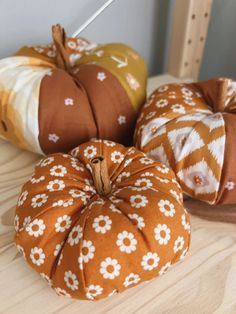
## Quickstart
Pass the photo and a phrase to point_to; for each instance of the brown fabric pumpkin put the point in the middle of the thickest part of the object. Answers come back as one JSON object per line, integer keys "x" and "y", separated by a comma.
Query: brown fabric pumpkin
{"x": 192, "y": 128}
{"x": 101, "y": 219}
{"x": 54, "y": 97}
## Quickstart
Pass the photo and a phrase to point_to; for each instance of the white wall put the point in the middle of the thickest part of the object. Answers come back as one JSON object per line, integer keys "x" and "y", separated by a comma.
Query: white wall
{"x": 139, "y": 23}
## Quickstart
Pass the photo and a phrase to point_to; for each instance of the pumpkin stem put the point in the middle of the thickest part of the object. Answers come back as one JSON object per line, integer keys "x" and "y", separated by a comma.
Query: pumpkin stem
{"x": 100, "y": 175}
{"x": 59, "y": 39}
{"x": 220, "y": 93}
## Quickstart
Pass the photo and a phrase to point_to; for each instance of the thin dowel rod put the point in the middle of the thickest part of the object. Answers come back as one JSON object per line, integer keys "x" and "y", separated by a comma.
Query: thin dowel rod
{"x": 92, "y": 18}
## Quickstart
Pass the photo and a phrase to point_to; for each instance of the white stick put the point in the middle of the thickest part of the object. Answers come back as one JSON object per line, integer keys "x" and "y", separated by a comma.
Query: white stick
{"x": 92, "y": 18}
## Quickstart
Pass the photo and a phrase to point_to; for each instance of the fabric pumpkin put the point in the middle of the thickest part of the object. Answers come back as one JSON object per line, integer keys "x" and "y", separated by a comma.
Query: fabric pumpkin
{"x": 101, "y": 219}
{"x": 191, "y": 128}
{"x": 54, "y": 97}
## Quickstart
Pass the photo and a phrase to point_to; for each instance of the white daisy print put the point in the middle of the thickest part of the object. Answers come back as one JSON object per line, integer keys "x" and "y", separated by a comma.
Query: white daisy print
{"x": 51, "y": 54}
{"x": 90, "y": 151}
{"x": 126, "y": 242}
{"x": 38, "y": 49}
{"x": 71, "y": 44}
{"x": 189, "y": 101}
{"x": 39, "y": 200}
{"x": 71, "y": 280}
{"x": 184, "y": 253}
{"x": 113, "y": 208}
{"x": 162, "y": 169}
{"x": 99, "y": 53}
{"x": 117, "y": 157}
{"x": 63, "y": 223}
{"x": 185, "y": 224}
{"x": 179, "y": 244}
{"x": 20, "y": 250}
{"x": 150, "y": 261}
{"x": 127, "y": 162}
{"x": 45, "y": 277}
{"x": 60, "y": 259}
{"x": 230, "y": 185}
{"x": 75, "y": 151}
{"x": 58, "y": 171}
{"x": 58, "y": 248}
{"x": 110, "y": 268}
{"x": 142, "y": 184}
{"x": 161, "y": 103}
{"x": 112, "y": 293}
{"x": 146, "y": 161}
{"x": 147, "y": 174}
{"x": 132, "y": 81}
{"x": 109, "y": 143}
{"x": 47, "y": 161}
{"x": 75, "y": 235}
{"x": 178, "y": 108}
{"x": 150, "y": 115}
{"x": 87, "y": 252}
{"x": 63, "y": 203}
{"x": 167, "y": 208}
{"x": 121, "y": 119}
{"x": 36, "y": 228}
{"x": 68, "y": 102}
{"x": 56, "y": 185}
{"x": 52, "y": 137}
{"x": 22, "y": 198}
{"x": 37, "y": 256}
{"x": 163, "y": 88}
{"x": 62, "y": 292}
{"x": 138, "y": 220}
{"x": 162, "y": 234}
{"x": 102, "y": 224}
{"x": 16, "y": 223}
{"x": 79, "y": 194}
{"x": 176, "y": 195}
{"x": 37, "y": 180}
{"x": 75, "y": 165}
{"x": 27, "y": 220}
{"x": 138, "y": 201}
{"x": 101, "y": 76}
{"x": 93, "y": 291}
{"x": 164, "y": 268}
{"x": 131, "y": 279}
{"x": 187, "y": 92}
{"x": 122, "y": 175}
{"x": 89, "y": 186}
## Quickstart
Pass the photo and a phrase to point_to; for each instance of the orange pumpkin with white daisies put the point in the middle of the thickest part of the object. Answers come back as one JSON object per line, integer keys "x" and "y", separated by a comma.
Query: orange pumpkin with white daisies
{"x": 101, "y": 219}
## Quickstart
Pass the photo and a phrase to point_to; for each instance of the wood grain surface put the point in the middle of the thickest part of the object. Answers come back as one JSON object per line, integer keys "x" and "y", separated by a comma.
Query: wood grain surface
{"x": 205, "y": 282}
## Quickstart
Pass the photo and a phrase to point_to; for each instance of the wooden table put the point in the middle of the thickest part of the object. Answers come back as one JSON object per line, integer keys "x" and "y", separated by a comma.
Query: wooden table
{"x": 205, "y": 282}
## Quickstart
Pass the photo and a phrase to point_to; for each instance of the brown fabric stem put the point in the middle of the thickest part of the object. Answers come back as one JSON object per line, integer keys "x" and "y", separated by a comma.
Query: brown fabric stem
{"x": 222, "y": 92}
{"x": 59, "y": 39}
{"x": 100, "y": 175}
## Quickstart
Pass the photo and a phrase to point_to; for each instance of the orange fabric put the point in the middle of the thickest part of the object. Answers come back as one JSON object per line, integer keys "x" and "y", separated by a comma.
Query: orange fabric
{"x": 89, "y": 246}
{"x": 177, "y": 126}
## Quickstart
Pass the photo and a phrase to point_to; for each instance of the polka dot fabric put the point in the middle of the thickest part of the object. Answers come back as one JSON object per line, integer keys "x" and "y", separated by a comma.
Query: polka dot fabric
{"x": 90, "y": 246}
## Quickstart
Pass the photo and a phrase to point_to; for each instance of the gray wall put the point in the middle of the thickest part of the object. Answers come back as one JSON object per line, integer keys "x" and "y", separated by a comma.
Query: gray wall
{"x": 143, "y": 24}
{"x": 139, "y": 23}
{"x": 220, "y": 51}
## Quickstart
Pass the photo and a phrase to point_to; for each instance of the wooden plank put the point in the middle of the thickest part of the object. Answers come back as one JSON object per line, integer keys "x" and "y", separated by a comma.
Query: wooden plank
{"x": 188, "y": 36}
{"x": 205, "y": 282}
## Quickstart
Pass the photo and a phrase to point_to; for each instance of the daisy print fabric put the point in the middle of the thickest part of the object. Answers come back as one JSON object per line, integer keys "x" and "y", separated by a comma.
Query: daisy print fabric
{"x": 88, "y": 245}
